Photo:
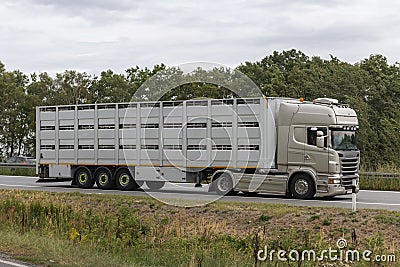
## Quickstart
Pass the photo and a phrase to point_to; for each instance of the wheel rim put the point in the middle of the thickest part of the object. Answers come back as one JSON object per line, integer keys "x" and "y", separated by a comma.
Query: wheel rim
{"x": 103, "y": 179}
{"x": 301, "y": 187}
{"x": 223, "y": 184}
{"x": 124, "y": 179}
{"x": 83, "y": 178}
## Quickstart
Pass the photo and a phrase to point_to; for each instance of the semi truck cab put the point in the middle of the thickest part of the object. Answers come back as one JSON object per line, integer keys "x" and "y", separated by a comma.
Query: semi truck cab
{"x": 319, "y": 139}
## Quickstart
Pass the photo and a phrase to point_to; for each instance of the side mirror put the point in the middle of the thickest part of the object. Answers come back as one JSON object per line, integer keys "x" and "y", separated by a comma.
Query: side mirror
{"x": 320, "y": 139}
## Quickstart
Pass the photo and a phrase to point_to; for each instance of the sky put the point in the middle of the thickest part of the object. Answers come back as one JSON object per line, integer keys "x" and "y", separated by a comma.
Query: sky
{"x": 95, "y": 35}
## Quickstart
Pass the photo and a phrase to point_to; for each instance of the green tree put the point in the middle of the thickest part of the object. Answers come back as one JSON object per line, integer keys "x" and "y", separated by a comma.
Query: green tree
{"x": 70, "y": 87}
{"x": 110, "y": 88}
{"x": 14, "y": 129}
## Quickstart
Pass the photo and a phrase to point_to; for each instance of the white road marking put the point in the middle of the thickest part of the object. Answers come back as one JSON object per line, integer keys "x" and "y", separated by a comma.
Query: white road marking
{"x": 319, "y": 201}
{"x": 383, "y": 204}
{"x": 290, "y": 200}
{"x": 20, "y": 185}
{"x": 378, "y": 191}
{"x": 12, "y": 263}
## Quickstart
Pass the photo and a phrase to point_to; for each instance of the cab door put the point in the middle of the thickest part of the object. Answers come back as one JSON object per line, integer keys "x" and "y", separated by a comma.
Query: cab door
{"x": 316, "y": 157}
{"x": 296, "y": 143}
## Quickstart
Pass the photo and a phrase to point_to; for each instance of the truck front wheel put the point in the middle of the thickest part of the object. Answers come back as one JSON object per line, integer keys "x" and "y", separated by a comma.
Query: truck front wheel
{"x": 302, "y": 186}
{"x": 83, "y": 178}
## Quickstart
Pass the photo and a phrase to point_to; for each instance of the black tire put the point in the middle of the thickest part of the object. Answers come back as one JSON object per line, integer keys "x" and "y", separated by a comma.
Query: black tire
{"x": 125, "y": 181}
{"x": 155, "y": 185}
{"x": 83, "y": 178}
{"x": 104, "y": 178}
{"x": 224, "y": 185}
{"x": 302, "y": 186}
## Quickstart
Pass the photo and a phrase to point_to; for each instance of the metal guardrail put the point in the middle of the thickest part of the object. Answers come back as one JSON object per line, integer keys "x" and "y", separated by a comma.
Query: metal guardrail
{"x": 388, "y": 175}
{"x": 17, "y": 165}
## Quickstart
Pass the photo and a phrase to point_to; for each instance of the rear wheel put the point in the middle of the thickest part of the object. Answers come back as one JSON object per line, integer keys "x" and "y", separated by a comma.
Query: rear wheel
{"x": 125, "y": 181}
{"x": 83, "y": 178}
{"x": 155, "y": 185}
{"x": 224, "y": 185}
{"x": 104, "y": 179}
{"x": 302, "y": 186}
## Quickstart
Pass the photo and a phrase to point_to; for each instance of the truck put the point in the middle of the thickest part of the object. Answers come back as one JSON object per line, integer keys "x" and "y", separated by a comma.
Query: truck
{"x": 302, "y": 149}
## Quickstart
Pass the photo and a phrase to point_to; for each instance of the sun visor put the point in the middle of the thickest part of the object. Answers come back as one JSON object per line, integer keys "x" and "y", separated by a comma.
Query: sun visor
{"x": 345, "y": 116}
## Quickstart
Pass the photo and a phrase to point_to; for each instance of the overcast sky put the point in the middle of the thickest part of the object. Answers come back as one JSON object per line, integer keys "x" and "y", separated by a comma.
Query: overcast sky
{"x": 96, "y": 35}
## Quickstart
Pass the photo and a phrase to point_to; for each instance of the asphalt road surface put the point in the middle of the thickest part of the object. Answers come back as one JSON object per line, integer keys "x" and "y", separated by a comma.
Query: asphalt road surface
{"x": 188, "y": 195}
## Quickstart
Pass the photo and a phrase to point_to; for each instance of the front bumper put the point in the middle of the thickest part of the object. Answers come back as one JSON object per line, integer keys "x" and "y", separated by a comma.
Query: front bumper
{"x": 334, "y": 187}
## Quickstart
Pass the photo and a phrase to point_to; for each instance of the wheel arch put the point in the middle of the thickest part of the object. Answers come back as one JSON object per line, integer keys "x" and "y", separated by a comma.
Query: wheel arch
{"x": 302, "y": 171}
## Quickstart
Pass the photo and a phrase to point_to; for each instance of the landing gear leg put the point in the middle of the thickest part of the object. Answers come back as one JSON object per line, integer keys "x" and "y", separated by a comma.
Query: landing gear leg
{"x": 199, "y": 178}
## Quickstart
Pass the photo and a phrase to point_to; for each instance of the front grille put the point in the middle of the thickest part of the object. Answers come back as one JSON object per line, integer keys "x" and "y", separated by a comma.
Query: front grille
{"x": 348, "y": 169}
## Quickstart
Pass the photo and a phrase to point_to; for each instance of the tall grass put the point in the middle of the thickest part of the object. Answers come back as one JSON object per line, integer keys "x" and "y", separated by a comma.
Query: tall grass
{"x": 56, "y": 229}
{"x": 115, "y": 232}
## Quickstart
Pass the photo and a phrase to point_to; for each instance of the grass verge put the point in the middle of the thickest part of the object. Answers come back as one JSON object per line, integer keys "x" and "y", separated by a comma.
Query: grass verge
{"x": 60, "y": 229}
{"x": 17, "y": 171}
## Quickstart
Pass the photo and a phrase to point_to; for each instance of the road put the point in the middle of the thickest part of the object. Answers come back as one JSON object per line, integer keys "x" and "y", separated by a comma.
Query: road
{"x": 188, "y": 195}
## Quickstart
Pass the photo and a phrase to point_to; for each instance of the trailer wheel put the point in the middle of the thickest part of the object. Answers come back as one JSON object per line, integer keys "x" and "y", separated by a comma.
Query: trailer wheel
{"x": 125, "y": 181}
{"x": 155, "y": 185}
{"x": 104, "y": 178}
{"x": 224, "y": 185}
{"x": 302, "y": 186}
{"x": 83, "y": 178}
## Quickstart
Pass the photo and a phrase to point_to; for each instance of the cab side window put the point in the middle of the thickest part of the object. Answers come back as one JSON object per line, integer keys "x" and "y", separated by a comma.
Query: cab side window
{"x": 312, "y": 135}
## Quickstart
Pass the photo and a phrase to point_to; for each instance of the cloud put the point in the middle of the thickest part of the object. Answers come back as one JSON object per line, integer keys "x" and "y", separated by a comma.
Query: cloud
{"x": 77, "y": 5}
{"x": 94, "y": 35}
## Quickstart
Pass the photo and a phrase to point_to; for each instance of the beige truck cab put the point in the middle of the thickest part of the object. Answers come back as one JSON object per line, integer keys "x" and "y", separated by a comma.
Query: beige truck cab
{"x": 317, "y": 139}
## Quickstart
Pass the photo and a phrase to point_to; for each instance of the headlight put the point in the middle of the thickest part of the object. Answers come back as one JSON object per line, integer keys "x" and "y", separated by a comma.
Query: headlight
{"x": 334, "y": 181}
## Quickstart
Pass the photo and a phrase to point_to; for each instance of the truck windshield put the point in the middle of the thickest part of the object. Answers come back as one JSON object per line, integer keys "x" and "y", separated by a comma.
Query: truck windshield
{"x": 344, "y": 140}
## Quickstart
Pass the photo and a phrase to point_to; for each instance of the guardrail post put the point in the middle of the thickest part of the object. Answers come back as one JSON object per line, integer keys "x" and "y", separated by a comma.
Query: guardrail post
{"x": 354, "y": 196}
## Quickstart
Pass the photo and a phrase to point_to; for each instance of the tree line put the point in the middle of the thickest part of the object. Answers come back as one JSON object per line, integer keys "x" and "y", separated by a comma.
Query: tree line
{"x": 371, "y": 87}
